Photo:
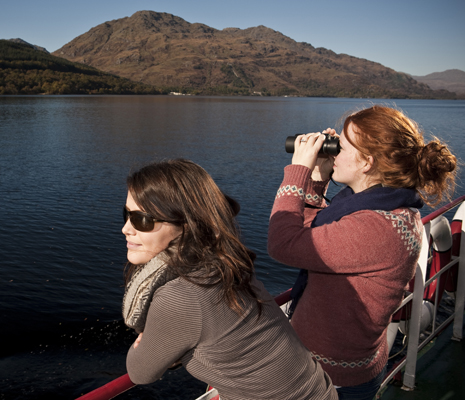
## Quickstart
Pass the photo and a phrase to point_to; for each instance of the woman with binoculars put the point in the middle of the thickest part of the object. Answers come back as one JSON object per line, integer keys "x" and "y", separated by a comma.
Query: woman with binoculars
{"x": 356, "y": 255}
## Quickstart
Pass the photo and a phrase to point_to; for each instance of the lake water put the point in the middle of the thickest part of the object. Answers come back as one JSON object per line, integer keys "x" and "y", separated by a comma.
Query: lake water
{"x": 63, "y": 165}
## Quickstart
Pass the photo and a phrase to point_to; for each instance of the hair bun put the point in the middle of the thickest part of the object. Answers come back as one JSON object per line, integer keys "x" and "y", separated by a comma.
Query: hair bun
{"x": 437, "y": 158}
{"x": 437, "y": 168}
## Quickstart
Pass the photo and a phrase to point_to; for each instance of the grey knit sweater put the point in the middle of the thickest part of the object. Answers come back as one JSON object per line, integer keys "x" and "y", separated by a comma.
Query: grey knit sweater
{"x": 242, "y": 357}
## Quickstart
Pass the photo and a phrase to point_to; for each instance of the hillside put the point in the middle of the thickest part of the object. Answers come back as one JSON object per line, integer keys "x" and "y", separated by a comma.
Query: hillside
{"x": 452, "y": 80}
{"x": 35, "y": 47}
{"x": 168, "y": 52}
{"x": 28, "y": 69}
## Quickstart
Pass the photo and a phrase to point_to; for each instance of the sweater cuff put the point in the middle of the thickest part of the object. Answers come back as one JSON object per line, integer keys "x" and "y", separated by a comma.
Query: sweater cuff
{"x": 297, "y": 174}
{"x": 318, "y": 187}
{"x": 295, "y": 180}
{"x": 315, "y": 193}
{"x": 298, "y": 182}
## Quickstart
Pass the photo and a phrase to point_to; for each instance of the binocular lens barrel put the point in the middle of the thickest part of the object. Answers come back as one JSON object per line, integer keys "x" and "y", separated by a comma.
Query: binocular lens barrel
{"x": 331, "y": 146}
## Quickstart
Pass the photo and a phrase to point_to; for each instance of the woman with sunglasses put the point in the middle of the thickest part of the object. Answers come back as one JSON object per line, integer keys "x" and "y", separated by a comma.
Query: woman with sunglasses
{"x": 357, "y": 254}
{"x": 192, "y": 296}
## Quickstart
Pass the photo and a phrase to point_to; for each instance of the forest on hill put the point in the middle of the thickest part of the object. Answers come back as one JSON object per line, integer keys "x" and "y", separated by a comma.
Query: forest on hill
{"x": 25, "y": 70}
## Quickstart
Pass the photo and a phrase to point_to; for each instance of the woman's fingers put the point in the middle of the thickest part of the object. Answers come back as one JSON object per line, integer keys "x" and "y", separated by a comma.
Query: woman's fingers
{"x": 330, "y": 131}
{"x": 306, "y": 149}
{"x": 136, "y": 343}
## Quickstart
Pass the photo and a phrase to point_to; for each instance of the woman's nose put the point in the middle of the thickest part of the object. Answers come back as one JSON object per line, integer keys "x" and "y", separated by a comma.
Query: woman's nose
{"x": 128, "y": 229}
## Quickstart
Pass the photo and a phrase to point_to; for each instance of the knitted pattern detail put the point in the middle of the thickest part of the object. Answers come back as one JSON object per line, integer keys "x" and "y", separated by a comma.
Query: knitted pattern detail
{"x": 140, "y": 289}
{"x": 293, "y": 190}
{"x": 406, "y": 228}
{"x": 345, "y": 364}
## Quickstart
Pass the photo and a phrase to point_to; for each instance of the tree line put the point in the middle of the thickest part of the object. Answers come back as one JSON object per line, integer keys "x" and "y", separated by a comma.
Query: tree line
{"x": 24, "y": 70}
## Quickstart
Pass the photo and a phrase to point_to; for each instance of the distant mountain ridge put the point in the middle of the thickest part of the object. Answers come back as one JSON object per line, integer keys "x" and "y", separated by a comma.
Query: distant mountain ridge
{"x": 164, "y": 50}
{"x": 452, "y": 80}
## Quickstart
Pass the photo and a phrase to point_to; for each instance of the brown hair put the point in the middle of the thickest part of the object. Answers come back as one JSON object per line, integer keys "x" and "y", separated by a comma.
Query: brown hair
{"x": 184, "y": 194}
{"x": 401, "y": 158}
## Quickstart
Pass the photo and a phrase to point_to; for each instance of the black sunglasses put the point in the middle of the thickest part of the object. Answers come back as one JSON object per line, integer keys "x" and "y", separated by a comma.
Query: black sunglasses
{"x": 141, "y": 221}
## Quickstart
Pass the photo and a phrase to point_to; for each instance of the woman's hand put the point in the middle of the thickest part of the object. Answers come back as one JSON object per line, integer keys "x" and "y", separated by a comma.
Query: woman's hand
{"x": 306, "y": 148}
{"x": 139, "y": 338}
{"x": 324, "y": 165}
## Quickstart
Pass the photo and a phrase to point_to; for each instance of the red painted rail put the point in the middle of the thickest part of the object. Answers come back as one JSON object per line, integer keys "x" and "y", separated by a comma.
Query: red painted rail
{"x": 110, "y": 390}
{"x": 442, "y": 210}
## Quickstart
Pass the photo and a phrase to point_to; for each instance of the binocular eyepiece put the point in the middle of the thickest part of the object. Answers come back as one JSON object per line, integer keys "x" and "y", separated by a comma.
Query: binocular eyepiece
{"x": 331, "y": 146}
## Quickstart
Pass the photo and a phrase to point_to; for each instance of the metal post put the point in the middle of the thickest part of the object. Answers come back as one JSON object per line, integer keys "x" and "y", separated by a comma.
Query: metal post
{"x": 414, "y": 331}
{"x": 417, "y": 304}
{"x": 460, "y": 294}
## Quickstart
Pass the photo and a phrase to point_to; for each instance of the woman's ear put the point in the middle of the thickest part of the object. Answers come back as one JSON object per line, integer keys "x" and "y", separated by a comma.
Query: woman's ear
{"x": 369, "y": 161}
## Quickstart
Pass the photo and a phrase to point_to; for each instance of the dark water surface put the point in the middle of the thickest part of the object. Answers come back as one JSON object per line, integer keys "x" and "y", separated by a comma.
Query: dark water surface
{"x": 63, "y": 165}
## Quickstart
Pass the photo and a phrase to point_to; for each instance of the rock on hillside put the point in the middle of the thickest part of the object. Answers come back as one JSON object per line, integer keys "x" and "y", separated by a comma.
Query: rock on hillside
{"x": 166, "y": 51}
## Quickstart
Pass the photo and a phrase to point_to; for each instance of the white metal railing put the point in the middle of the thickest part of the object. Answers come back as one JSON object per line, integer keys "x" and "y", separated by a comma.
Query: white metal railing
{"x": 414, "y": 345}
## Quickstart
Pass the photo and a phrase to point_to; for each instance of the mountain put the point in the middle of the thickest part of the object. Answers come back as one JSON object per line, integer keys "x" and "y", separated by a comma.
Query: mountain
{"x": 452, "y": 80}
{"x": 166, "y": 51}
{"x": 28, "y": 69}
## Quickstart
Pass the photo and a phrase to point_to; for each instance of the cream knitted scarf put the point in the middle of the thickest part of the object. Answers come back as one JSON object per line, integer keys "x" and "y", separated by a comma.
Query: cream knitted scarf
{"x": 140, "y": 290}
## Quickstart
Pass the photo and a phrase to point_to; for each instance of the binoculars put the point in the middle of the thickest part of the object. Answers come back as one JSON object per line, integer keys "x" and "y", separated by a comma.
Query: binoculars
{"x": 331, "y": 146}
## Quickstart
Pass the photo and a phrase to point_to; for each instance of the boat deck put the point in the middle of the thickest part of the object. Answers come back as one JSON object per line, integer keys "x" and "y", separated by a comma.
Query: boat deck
{"x": 440, "y": 372}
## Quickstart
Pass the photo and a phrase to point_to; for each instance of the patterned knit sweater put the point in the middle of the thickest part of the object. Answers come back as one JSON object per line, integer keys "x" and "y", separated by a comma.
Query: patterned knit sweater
{"x": 358, "y": 269}
{"x": 243, "y": 358}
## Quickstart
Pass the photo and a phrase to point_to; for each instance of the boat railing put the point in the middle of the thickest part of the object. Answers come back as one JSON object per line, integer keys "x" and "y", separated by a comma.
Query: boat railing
{"x": 415, "y": 301}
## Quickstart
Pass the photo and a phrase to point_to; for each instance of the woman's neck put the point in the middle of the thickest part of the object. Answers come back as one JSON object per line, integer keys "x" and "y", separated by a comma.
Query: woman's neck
{"x": 366, "y": 183}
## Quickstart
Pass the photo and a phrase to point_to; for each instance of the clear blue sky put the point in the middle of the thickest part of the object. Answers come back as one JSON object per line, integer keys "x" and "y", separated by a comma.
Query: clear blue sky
{"x": 413, "y": 36}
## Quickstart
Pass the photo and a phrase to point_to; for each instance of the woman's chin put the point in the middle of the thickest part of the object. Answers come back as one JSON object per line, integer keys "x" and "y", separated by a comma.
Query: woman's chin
{"x": 138, "y": 257}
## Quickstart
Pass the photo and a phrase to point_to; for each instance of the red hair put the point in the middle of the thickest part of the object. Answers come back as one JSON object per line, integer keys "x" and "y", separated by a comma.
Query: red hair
{"x": 400, "y": 156}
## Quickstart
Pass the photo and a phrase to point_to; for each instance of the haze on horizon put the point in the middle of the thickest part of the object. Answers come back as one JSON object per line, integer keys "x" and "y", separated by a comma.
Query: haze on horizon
{"x": 417, "y": 37}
